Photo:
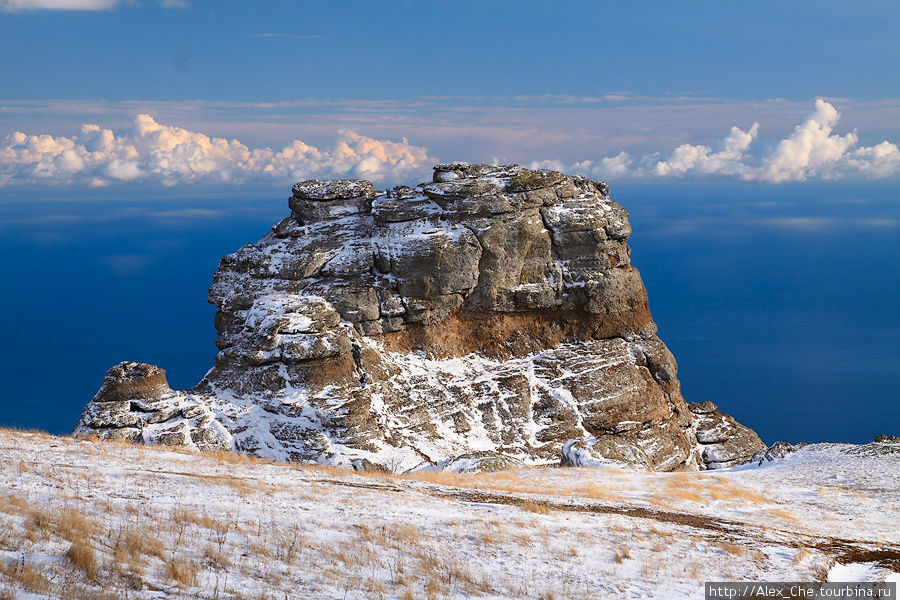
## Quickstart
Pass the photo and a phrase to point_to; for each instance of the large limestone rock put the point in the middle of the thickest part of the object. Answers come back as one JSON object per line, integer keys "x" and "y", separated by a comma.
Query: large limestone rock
{"x": 485, "y": 318}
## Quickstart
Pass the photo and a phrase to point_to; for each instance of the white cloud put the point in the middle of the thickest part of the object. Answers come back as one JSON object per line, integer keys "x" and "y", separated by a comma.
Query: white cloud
{"x": 616, "y": 166}
{"x": 154, "y": 152}
{"x": 606, "y": 168}
{"x": 880, "y": 160}
{"x": 812, "y": 150}
{"x": 701, "y": 159}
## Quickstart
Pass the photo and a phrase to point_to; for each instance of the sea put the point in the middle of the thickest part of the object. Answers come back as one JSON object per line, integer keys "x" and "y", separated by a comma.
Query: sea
{"x": 781, "y": 303}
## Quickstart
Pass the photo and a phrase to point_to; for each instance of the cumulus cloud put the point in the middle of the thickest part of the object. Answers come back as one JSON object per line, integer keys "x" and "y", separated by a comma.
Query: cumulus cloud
{"x": 701, "y": 159}
{"x": 812, "y": 150}
{"x": 154, "y": 152}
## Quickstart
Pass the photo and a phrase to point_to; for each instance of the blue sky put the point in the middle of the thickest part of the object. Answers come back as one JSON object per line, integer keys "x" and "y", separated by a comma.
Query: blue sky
{"x": 277, "y": 51}
{"x": 569, "y": 85}
{"x": 755, "y": 144}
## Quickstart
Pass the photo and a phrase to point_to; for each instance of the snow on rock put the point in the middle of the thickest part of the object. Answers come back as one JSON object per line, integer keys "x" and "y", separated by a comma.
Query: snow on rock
{"x": 723, "y": 441}
{"x": 602, "y": 451}
{"x": 483, "y": 319}
{"x": 136, "y": 404}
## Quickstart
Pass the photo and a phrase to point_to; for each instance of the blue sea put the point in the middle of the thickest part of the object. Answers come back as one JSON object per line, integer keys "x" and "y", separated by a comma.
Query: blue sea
{"x": 780, "y": 303}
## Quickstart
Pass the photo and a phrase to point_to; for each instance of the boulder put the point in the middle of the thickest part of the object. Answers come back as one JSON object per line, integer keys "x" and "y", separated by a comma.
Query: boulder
{"x": 776, "y": 451}
{"x": 723, "y": 442}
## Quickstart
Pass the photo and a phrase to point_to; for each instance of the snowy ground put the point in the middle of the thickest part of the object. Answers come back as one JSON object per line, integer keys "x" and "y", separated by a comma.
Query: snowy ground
{"x": 84, "y": 519}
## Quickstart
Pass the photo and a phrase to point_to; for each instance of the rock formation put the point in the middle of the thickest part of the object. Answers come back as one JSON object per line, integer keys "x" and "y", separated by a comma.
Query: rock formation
{"x": 481, "y": 320}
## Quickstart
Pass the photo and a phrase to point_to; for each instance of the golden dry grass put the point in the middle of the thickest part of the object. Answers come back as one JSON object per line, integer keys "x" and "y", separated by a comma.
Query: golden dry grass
{"x": 13, "y": 504}
{"x": 536, "y": 507}
{"x": 82, "y": 556}
{"x": 182, "y": 571}
{"x": 133, "y": 545}
{"x": 23, "y": 574}
{"x": 780, "y": 514}
{"x": 241, "y": 485}
{"x": 701, "y": 489}
{"x": 803, "y": 555}
{"x": 216, "y": 558}
{"x": 622, "y": 554}
{"x": 438, "y": 561}
{"x": 512, "y": 481}
{"x": 731, "y": 548}
{"x": 68, "y": 523}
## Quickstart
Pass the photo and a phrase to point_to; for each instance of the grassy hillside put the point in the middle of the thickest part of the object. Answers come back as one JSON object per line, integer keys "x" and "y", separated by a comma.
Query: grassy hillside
{"x": 90, "y": 520}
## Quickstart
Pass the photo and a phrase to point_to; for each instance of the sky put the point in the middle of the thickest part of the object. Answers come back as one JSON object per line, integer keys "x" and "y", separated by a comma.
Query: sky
{"x": 755, "y": 144}
{"x": 99, "y": 92}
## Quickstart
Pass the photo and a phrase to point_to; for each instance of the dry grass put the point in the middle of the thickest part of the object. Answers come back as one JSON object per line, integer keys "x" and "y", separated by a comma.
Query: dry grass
{"x": 515, "y": 481}
{"x": 71, "y": 524}
{"x": 701, "y": 489}
{"x": 243, "y": 486}
{"x": 182, "y": 571}
{"x": 32, "y": 432}
{"x": 622, "y": 554}
{"x": 24, "y": 575}
{"x": 224, "y": 456}
{"x": 183, "y": 515}
{"x": 82, "y": 556}
{"x": 536, "y": 507}
{"x": 391, "y": 536}
{"x": 132, "y": 545}
{"x": 66, "y": 522}
{"x": 403, "y": 533}
{"x": 780, "y": 514}
{"x": 284, "y": 532}
{"x": 13, "y": 504}
{"x": 216, "y": 557}
{"x": 731, "y": 548}
{"x": 804, "y": 555}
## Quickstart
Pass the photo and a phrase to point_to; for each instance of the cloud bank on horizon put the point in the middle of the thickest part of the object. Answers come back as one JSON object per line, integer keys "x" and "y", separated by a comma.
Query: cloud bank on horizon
{"x": 171, "y": 155}
{"x": 811, "y": 151}
{"x": 153, "y": 152}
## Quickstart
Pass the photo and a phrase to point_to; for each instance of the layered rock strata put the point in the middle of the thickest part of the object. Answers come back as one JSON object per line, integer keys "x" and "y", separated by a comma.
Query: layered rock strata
{"x": 484, "y": 319}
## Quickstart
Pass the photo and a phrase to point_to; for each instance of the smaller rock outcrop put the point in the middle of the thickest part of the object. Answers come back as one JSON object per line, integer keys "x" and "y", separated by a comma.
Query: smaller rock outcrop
{"x": 136, "y": 404}
{"x": 776, "y": 451}
{"x": 723, "y": 441}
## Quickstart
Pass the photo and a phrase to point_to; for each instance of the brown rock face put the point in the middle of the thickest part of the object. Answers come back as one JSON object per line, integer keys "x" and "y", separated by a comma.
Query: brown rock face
{"x": 487, "y": 317}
